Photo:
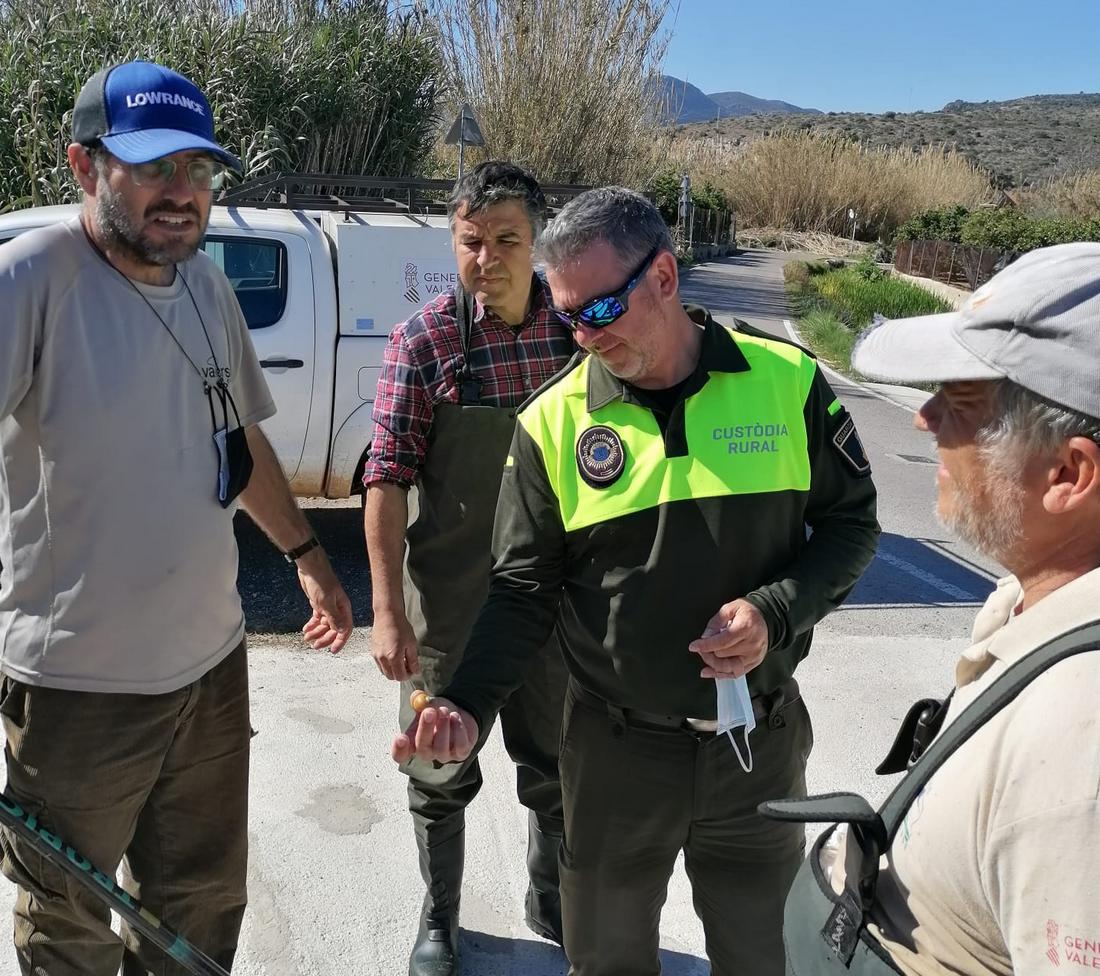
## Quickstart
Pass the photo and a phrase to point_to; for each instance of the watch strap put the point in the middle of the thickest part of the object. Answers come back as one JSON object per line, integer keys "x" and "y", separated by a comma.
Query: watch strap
{"x": 295, "y": 554}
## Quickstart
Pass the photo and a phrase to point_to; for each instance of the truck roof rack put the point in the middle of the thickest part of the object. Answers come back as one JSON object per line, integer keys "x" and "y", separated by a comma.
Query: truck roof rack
{"x": 371, "y": 194}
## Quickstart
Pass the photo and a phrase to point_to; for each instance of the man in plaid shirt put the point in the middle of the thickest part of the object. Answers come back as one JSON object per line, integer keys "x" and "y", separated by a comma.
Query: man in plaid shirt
{"x": 452, "y": 378}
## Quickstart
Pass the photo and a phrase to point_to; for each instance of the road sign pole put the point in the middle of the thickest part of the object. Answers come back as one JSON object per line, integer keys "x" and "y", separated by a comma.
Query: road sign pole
{"x": 465, "y": 131}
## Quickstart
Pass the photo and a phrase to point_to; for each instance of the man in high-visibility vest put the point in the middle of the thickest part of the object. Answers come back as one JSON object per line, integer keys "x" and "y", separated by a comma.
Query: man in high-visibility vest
{"x": 653, "y": 510}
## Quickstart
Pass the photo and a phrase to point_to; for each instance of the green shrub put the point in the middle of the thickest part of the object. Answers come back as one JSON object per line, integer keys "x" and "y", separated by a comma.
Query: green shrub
{"x": 706, "y": 194}
{"x": 867, "y": 270}
{"x": 1009, "y": 229}
{"x": 941, "y": 224}
{"x": 665, "y": 187}
{"x": 1003, "y": 228}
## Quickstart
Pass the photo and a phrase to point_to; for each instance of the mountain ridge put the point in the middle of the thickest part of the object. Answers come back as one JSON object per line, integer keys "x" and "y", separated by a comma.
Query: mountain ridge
{"x": 684, "y": 103}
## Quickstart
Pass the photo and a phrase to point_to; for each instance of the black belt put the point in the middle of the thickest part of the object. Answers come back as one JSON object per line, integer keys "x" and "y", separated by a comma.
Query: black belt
{"x": 765, "y": 708}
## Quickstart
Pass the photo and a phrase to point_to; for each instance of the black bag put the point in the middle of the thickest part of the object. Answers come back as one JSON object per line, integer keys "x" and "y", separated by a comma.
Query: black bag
{"x": 825, "y": 933}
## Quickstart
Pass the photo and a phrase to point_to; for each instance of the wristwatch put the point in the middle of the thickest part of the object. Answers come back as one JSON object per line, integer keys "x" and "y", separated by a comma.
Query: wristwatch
{"x": 295, "y": 554}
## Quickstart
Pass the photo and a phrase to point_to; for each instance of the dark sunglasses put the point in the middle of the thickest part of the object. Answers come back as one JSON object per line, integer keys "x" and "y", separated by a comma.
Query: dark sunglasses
{"x": 601, "y": 312}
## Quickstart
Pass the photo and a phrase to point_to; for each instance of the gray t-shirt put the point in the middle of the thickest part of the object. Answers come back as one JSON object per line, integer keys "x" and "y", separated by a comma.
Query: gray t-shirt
{"x": 119, "y": 564}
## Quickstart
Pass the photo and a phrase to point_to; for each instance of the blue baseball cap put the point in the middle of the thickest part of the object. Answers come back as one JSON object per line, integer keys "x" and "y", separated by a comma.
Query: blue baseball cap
{"x": 141, "y": 111}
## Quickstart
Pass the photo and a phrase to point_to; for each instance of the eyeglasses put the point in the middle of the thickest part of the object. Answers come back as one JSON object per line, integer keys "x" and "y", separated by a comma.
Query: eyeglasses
{"x": 601, "y": 312}
{"x": 203, "y": 173}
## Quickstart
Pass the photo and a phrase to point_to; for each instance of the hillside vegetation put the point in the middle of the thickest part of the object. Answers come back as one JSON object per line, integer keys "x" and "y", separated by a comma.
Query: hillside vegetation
{"x": 1026, "y": 141}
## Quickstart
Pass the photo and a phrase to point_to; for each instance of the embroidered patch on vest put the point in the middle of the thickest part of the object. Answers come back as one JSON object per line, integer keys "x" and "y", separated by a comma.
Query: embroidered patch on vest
{"x": 600, "y": 456}
{"x": 846, "y": 441}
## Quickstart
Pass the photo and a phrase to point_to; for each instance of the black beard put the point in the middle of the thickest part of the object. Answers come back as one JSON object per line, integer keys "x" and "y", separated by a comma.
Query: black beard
{"x": 119, "y": 230}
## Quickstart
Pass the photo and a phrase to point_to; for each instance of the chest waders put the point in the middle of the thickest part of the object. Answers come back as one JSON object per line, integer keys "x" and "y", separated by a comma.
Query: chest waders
{"x": 451, "y": 518}
{"x": 825, "y": 933}
{"x": 446, "y": 582}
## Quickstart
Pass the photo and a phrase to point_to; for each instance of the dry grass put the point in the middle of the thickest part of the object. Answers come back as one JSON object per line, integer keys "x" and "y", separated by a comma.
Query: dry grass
{"x": 811, "y": 242}
{"x": 800, "y": 181}
{"x": 1072, "y": 196}
{"x": 565, "y": 88}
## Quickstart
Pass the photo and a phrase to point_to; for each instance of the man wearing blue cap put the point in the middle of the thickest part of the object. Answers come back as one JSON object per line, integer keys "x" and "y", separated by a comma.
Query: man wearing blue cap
{"x": 130, "y": 396}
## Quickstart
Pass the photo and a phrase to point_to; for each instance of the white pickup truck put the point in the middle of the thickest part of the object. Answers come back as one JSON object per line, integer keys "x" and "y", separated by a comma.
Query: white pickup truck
{"x": 320, "y": 291}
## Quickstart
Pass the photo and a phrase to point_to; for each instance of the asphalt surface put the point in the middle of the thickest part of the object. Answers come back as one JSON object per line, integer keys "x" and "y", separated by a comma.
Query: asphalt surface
{"x": 334, "y": 886}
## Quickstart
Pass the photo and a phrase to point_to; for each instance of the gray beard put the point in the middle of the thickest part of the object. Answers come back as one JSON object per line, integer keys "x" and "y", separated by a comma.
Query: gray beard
{"x": 120, "y": 232}
{"x": 998, "y": 532}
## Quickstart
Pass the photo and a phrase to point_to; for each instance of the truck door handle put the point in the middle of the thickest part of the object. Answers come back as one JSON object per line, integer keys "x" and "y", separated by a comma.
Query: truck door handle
{"x": 282, "y": 363}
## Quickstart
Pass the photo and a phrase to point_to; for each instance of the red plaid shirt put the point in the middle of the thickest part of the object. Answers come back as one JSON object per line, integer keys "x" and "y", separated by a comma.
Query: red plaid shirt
{"x": 422, "y": 358}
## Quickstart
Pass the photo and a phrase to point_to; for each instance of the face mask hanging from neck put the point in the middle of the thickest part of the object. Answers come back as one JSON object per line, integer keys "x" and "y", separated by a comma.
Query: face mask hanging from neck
{"x": 234, "y": 457}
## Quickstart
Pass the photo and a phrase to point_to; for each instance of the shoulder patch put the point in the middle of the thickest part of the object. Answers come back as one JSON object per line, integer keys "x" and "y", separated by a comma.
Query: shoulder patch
{"x": 600, "y": 456}
{"x": 847, "y": 443}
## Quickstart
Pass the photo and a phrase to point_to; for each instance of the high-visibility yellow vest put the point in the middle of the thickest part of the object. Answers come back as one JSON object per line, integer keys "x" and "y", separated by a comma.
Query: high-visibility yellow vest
{"x": 746, "y": 434}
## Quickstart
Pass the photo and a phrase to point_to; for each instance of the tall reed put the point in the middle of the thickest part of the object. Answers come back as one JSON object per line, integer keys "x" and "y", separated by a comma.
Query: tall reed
{"x": 1076, "y": 195}
{"x": 343, "y": 86}
{"x": 567, "y": 88}
{"x": 802, "y": 181}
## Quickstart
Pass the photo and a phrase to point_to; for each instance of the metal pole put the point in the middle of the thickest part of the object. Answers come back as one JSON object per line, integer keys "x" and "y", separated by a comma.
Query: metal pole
{"x": 103, "y": 886}
{"x": 461, "y": 157}
{"x": 684, "y": 211}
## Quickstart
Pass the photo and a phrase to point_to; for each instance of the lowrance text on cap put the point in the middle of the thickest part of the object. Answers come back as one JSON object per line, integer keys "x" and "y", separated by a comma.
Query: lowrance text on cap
{"x": 142, "y": 111}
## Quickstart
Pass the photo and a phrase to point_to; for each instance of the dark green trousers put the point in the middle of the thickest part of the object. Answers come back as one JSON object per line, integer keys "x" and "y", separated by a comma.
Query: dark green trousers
{"x": 161, "y": 780}
{"x": 634, "y": 797}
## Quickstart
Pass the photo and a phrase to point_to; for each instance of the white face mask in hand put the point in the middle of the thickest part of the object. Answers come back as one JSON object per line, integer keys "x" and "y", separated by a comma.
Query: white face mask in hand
{"x": 735, "y": 712}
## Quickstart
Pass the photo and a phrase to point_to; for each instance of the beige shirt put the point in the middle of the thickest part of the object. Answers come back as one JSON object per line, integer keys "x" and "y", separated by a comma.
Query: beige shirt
{"x": 997, "y": 866}
{"x": 119, "y": 564}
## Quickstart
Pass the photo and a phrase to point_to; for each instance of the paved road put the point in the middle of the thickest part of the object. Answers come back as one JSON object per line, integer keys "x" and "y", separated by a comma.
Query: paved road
{"x": 333, "y": 879}
{"x": 899, "y": 633}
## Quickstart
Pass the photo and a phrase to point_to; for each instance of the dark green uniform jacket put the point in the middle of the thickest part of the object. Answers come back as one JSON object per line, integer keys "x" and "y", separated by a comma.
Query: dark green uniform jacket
{"x": 629, "y": 534}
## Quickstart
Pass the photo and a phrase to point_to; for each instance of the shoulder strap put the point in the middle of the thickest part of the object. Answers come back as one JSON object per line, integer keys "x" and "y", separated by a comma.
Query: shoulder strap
{"x": 920, "y": 726}
{"x": 464, "y": 318}
{"x": 469, "y": 386}
{"x": 981, "y": 710}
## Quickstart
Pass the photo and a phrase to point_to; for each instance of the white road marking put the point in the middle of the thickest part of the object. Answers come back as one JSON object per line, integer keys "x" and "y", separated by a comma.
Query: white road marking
{"x": 926, "y": 577}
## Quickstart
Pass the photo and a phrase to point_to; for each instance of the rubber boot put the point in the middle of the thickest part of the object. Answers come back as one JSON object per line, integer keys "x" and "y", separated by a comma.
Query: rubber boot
{"x": 435, "y": 952}
{"x": 543, "y": 901}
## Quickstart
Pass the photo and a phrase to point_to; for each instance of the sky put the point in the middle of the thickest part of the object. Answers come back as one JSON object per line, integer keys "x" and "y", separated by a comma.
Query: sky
{"x": 882, "y": 55}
